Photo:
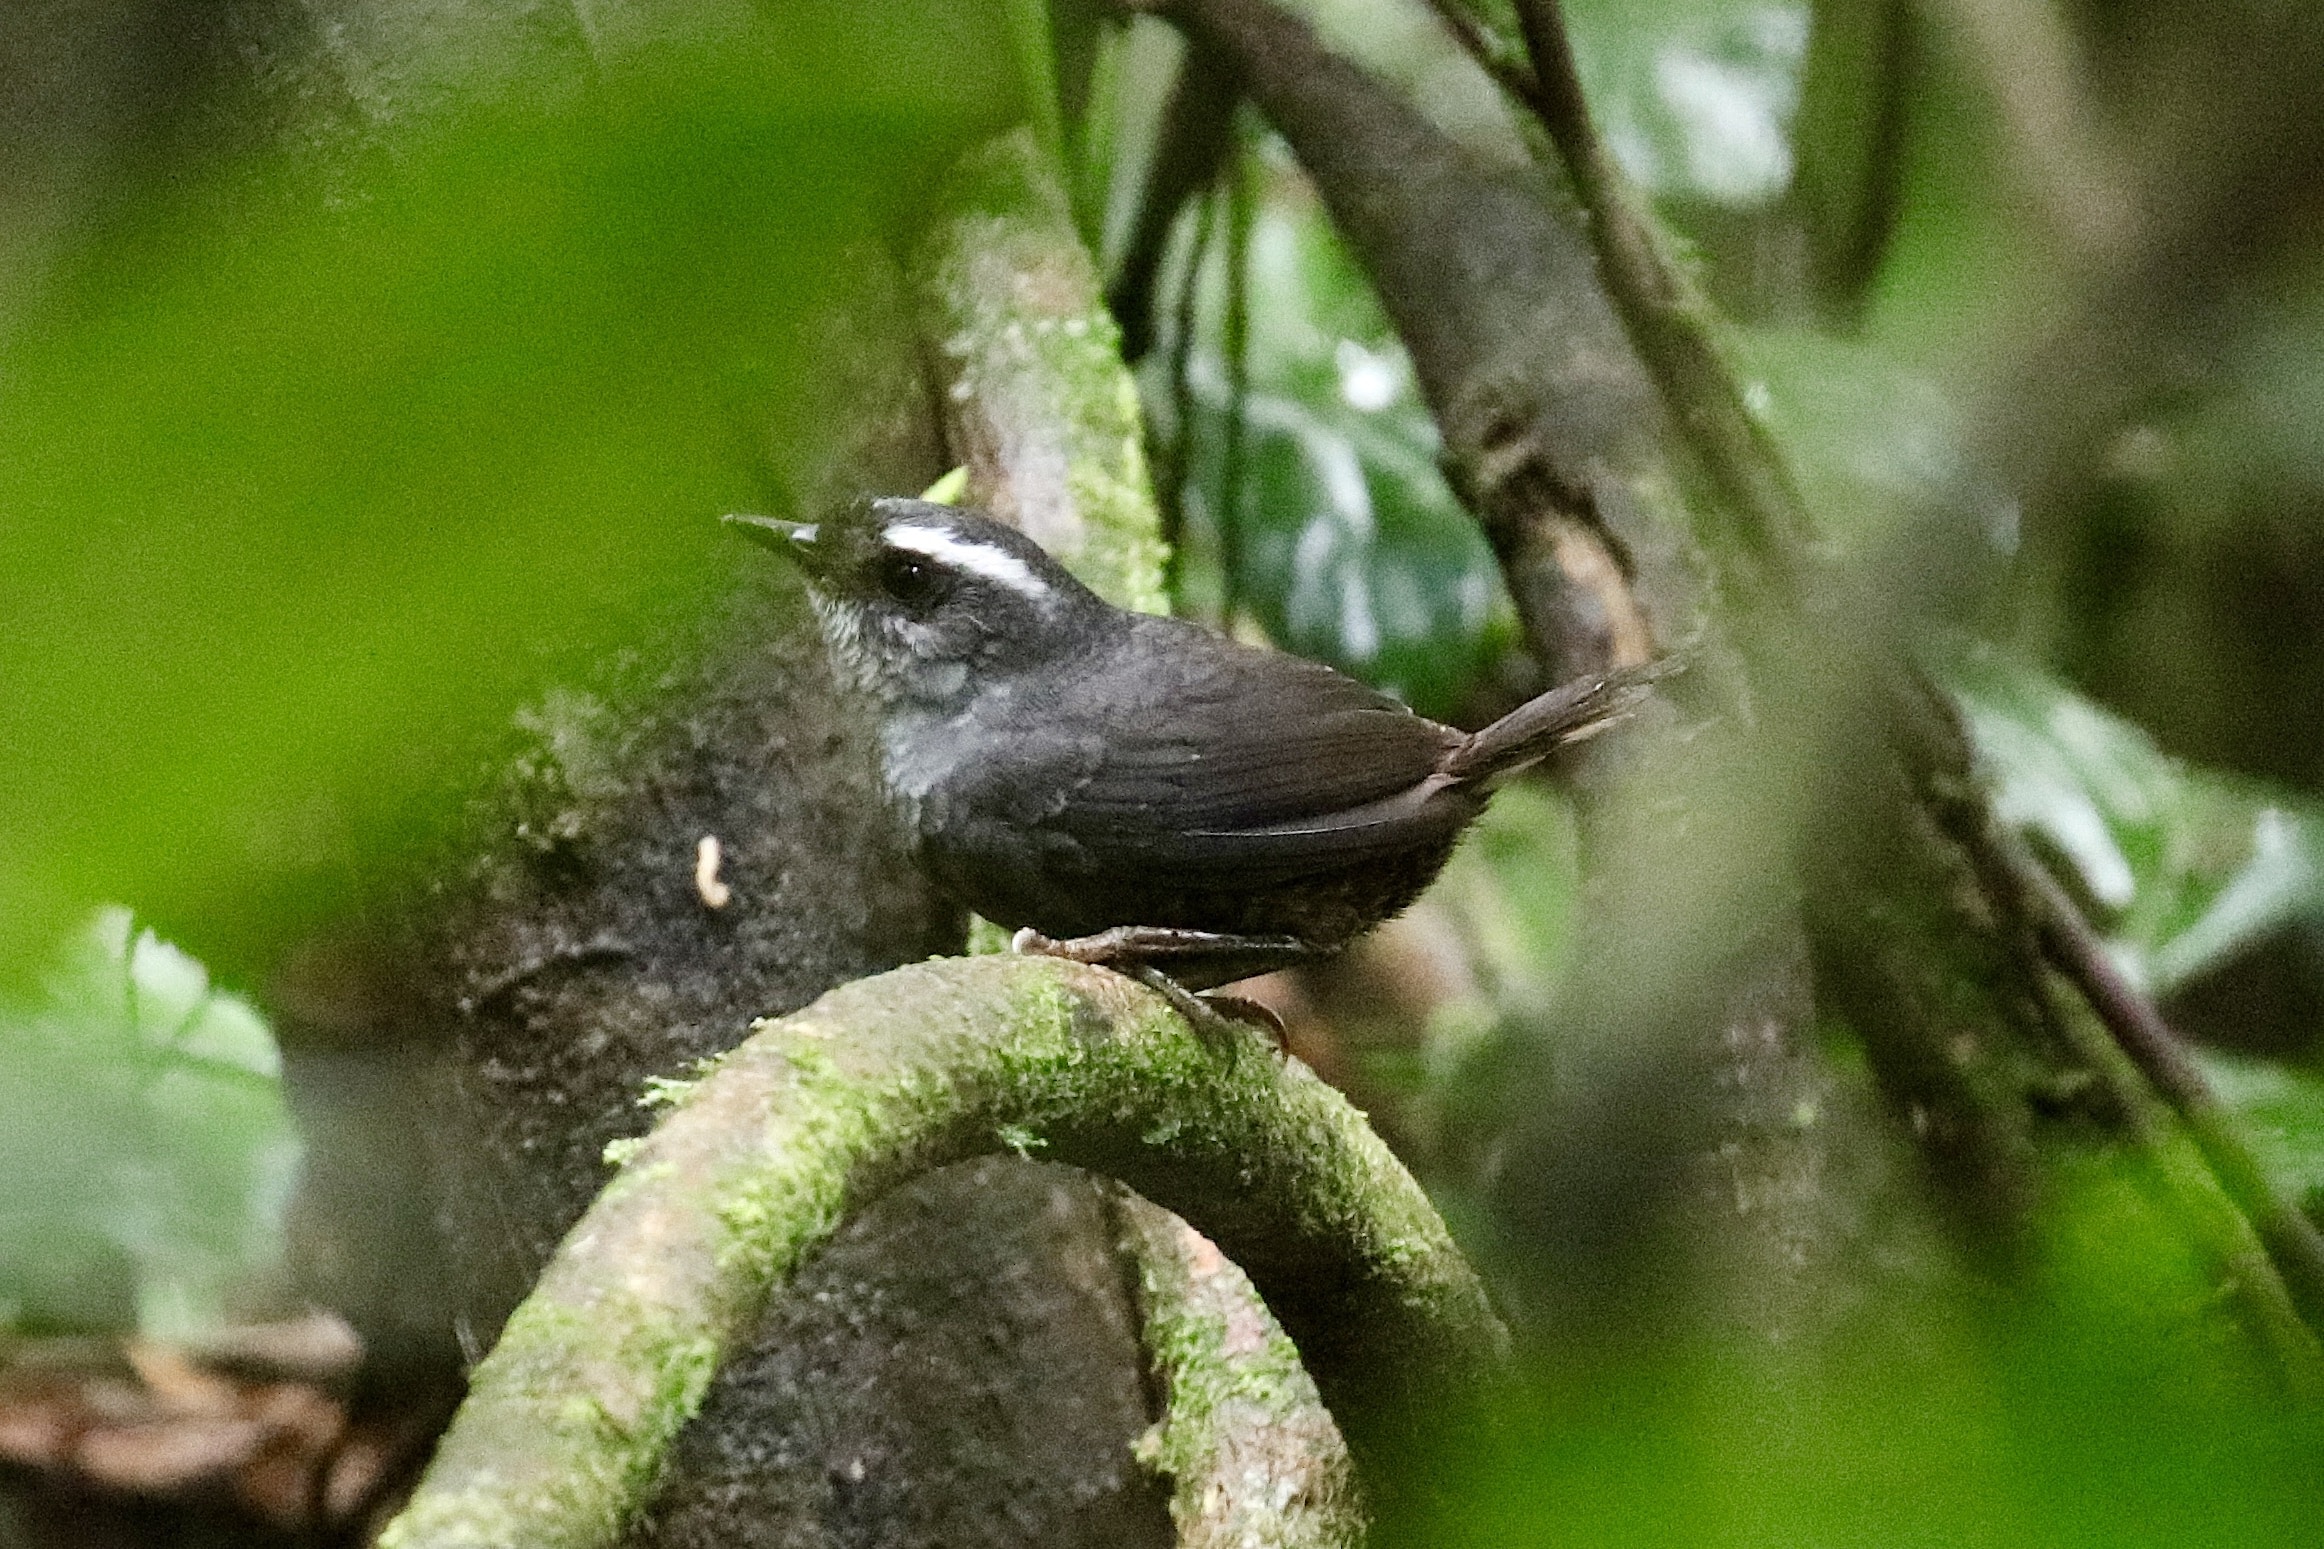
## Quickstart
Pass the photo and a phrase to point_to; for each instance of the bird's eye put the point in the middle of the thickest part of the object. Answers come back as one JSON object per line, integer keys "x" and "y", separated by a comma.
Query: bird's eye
{"x": 910, "y": 580}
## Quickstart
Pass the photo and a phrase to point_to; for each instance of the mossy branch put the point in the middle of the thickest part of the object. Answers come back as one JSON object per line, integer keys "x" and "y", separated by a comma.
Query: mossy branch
{"x": 1044, "y": 416}
{"x": 880, "y": 1081}
{"x": 1253, "y": 1459}
{"x": 1037, "y": 404}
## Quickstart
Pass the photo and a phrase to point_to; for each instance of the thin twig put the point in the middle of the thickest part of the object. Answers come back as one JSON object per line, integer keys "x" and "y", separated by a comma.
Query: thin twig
{"x": 1190, "y": 148}
{"x": 1489, "y": 50}
{"x": 2292, "y": 1239}
{"x": 1670, "y": 322}
{"x": 1177, "y": 471}
{"x": 1242, "y": 198}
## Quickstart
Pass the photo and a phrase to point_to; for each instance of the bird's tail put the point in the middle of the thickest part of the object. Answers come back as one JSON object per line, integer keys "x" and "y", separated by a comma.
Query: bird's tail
{"x": 1568, "y": 713}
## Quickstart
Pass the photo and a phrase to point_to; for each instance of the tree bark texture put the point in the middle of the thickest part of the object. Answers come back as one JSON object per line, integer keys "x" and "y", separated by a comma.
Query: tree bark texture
{"x": 963, "y": 1366}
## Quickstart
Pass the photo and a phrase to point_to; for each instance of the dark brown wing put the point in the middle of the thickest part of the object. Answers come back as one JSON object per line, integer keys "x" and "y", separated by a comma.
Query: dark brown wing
{"x": 1220, "y": 757}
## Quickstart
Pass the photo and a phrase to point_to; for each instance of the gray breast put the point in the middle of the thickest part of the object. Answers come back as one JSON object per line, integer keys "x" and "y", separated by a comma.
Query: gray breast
{"x": 926, "y": 741}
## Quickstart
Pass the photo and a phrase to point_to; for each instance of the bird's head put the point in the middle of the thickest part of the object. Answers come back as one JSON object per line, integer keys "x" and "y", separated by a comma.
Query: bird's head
{"x": 927, "y": 603}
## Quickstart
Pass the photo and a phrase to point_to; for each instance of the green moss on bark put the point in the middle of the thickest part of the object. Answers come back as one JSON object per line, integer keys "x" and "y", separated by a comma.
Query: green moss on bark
{"x": 1037, "y": 404}
{"x": 811, "y": 1118}
{"x": 1253, "y": 1459}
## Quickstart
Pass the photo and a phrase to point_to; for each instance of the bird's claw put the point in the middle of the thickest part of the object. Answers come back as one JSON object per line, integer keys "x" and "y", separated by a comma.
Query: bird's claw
{"x": 1211, "y": 1016}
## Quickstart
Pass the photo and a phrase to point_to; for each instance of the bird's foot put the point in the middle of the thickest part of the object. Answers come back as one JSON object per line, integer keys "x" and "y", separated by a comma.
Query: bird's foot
{"x": 1139, "y": 950}
{"x": 1214, "y": 957}
{"x": 1211, "y": 1014}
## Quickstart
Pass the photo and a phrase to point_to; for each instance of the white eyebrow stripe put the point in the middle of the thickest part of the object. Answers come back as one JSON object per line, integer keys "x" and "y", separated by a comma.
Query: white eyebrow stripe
{"x": 977, "y": 558}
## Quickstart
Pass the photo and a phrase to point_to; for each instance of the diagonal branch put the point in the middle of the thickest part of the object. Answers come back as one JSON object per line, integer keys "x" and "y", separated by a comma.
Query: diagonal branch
{"x": 1671, "y": 325}
{"x": 1509, "y": 70}
{"x": 2029, "y": 892}
{"x": 1670, "y": 320}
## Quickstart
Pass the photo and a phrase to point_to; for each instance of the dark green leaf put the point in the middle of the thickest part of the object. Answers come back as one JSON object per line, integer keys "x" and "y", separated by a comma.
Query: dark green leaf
{"x": 2183, "y": 867}
{"x": 1352, "y": 548}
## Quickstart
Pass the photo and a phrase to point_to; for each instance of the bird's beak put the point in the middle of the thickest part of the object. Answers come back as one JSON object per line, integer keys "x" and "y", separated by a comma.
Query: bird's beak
{"x": 794, "y": 540}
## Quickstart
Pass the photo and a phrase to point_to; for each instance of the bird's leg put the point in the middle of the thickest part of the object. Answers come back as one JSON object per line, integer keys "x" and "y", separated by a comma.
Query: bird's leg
{"x": 1127, "y": 945}
{"x": 1141, "y": 951}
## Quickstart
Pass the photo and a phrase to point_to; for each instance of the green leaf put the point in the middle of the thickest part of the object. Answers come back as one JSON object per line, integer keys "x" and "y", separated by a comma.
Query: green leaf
{"x": 2184, "y": 867}
{"x": 144, "y": 1138}
{"x": 1351, "y": 546}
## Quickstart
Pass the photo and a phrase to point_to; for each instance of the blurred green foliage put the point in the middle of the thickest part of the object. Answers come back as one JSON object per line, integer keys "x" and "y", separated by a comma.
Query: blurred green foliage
{"x": 1695, "y": 96}
{"x": 2188, "y": 871}
{"x": 2283, "y": 1111}
{"x": 2183, "y": 868}
{"x": 2185, "y": 587}
{"x": 301, "y": 490}
{"x": 1871, "y": 438}
{"x": 144, "y": 1142}
{"x": 1955, "y": 1422}
{"x": 1347, "y": 544}
{"x": 2098, "y": 1402}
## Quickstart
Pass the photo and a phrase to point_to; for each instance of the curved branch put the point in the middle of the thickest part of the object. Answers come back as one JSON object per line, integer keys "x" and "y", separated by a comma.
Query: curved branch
{"x": 813, "y": 1116}
{"x": 1251, "y": 1455}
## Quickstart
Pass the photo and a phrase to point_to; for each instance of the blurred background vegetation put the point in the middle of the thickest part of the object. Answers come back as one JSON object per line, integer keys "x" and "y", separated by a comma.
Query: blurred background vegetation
{"x": 319, "y": 452}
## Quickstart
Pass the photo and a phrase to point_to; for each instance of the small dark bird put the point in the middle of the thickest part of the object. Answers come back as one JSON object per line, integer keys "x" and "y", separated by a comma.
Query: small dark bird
{"x": 1137, "y": 790}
